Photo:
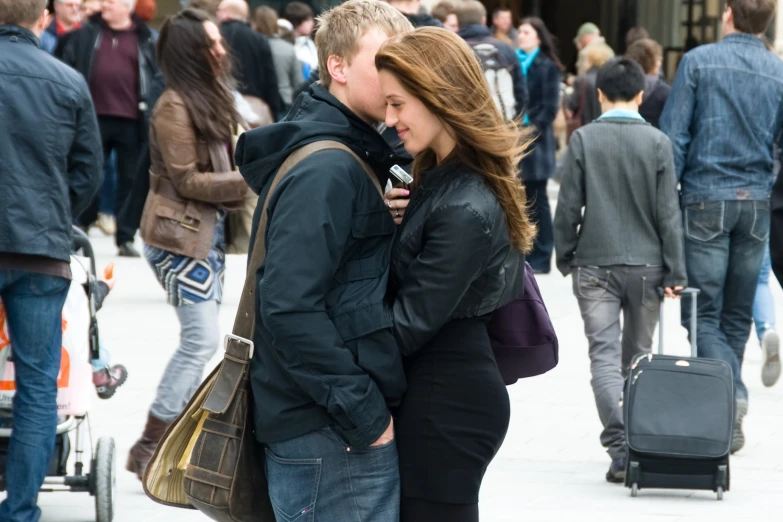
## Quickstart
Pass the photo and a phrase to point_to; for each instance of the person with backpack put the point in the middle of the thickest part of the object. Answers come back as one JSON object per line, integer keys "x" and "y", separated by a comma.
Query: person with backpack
{"x": 497, "y": 58}
{"x": 542, "y": 69}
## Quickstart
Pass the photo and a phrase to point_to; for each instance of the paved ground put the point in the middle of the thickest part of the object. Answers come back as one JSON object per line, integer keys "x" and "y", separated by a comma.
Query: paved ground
{"x": 551, "y": 467}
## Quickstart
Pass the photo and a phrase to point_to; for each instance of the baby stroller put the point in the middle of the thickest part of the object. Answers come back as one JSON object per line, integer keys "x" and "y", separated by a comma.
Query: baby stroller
{"x": 73, "y": 403}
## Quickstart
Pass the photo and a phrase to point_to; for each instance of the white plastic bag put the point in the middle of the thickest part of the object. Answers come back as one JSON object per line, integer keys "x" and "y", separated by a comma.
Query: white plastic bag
{"x": 74, "y": 382}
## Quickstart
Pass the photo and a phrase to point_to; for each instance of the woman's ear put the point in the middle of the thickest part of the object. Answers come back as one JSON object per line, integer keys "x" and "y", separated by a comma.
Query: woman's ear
{"x": 336, "y": 69}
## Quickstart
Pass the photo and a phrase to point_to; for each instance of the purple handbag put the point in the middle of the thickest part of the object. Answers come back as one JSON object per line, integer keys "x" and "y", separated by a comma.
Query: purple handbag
{"x": 522, "y": 335}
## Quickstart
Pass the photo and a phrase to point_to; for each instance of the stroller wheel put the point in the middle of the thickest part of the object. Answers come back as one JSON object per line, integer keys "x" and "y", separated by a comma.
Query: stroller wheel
{"x": 104, "y": 467}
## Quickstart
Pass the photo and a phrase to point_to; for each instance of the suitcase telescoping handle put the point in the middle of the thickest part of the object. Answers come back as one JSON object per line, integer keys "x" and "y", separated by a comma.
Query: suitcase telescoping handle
{"x": 693, "y": 293}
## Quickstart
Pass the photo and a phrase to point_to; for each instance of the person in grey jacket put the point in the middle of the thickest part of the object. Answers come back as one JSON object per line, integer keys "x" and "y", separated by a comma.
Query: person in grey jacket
{"x": 50, "y": 166}
{"x": 618, "y": 227}
{"x": 287, "y": 65}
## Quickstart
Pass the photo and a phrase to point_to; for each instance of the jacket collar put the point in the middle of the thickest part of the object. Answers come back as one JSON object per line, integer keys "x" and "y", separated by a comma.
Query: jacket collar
{"x": 744, "y": 38}
{"x": 19, "y": 34}
{"x": 139, "y": 25}
{"x": 475, "y": 32}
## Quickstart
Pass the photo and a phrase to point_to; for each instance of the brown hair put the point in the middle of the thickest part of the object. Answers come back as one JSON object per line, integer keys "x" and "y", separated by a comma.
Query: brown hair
{"x": 187, "y": 64}
{"x": 635, "y": 34}
{"x": 340, "y": 29}
{"x": 752, "y": 16}
{"x": 470, "y": 12}
{"x": 21, "y": 12}
{"x": 440, "y": 69}
{"x": 208, "y": 6}
{"x": 297, "y": 13}
{"x": 647, "y": 53}
{"x": 265, "y": 21}
{"x": 443, "y": 10}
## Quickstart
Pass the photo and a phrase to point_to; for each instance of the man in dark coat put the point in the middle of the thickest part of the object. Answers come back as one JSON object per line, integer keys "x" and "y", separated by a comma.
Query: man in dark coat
{"x": 50, "y": 167}
{"x": 254, "y": 67}
{"x": 324, "y": 282}
{"x": 115, "y": 52}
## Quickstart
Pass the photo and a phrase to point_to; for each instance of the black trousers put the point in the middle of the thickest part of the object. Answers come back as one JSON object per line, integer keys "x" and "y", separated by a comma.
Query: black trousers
{"x": 419, "y": 510}
{"x": 541, "y": 257}
{"x": 123, "y": 136}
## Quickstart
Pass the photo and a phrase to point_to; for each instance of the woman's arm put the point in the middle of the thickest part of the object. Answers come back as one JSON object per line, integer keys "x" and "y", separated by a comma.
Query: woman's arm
{"x": 455, "y": 252}
{"x": 177, "y": 142}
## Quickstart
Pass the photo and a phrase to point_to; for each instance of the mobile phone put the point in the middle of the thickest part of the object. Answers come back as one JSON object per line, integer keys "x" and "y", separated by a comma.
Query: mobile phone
{"x": 399, "y": 173}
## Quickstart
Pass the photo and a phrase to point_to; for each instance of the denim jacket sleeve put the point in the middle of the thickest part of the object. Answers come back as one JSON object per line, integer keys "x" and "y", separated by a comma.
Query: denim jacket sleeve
{"x": 678, "y": 113}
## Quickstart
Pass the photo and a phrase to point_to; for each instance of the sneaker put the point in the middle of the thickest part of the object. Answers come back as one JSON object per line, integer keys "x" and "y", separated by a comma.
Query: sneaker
{"x": 127, "y": 250}
{"x": 106, "y": 224}
{"x": 737, "y": 437}
{"x": 616, "y": 473}
{"x": 770, "y": 348}
{"x": 107, "y": 380}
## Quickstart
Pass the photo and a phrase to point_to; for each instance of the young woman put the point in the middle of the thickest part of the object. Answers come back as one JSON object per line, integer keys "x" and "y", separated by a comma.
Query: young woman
{"x": 542, "y": 69}
{"x": 192, "y": 181}
{"x": 458, "y": 256}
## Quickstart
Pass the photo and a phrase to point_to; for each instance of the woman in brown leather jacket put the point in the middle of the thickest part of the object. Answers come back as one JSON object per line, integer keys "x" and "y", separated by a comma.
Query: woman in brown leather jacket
{"x": 193, "y": 181}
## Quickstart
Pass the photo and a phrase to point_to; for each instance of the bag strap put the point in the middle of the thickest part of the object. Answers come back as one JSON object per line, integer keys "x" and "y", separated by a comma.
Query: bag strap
{"x": 239, "y": 345}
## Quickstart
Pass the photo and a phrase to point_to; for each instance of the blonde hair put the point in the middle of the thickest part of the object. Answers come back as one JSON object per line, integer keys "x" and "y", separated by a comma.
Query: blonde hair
{"x": 440, "y": 69}
{"x": 594, "y": 55}
{"x": 340, "y": 29}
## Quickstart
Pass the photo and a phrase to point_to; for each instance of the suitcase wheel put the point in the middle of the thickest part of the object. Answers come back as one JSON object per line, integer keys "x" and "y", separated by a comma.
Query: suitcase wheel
{"x": 635, "y": 490}
{"x": 720, "y": 492}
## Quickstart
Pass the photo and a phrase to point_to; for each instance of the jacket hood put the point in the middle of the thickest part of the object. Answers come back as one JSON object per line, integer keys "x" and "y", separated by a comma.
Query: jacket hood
{"x": 316, "y": 116}
{"x": 475, "y": 32}
{"x": 423, "y": 20}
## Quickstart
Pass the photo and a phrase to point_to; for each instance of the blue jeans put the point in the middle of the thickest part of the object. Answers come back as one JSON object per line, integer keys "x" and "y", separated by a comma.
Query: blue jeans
{"x": 199, "y": 340}
{"x": 319, "y": 478}
{"x": 764, "y": 304}
{"x": 724, "y": 248}
{"x": 33, "y": 304}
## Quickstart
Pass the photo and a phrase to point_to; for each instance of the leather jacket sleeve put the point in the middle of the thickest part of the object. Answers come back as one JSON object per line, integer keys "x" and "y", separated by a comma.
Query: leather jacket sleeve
{"x": 177, "y": 142}
{"x": 456, "y": 251}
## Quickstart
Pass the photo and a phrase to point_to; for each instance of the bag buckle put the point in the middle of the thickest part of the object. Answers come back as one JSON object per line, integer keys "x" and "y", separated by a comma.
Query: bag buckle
{"x": 190, "y": 223}
{"x": 240, "y": 340}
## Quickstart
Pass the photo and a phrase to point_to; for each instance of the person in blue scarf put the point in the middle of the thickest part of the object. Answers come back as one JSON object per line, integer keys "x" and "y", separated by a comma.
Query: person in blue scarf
{"x": 542, "y": 70}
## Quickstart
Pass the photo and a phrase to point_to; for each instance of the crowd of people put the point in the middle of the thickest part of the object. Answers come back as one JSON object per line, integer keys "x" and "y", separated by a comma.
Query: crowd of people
{"x": 372, "y": 358}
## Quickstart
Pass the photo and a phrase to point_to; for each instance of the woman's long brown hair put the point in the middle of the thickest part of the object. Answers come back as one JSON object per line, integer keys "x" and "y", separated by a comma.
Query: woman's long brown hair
{"x": 188, "y": 67}
{"x": 439, "y": 68}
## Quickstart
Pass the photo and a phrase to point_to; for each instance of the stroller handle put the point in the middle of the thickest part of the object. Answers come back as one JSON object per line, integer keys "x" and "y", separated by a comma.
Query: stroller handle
{"x": 82, "y": 242}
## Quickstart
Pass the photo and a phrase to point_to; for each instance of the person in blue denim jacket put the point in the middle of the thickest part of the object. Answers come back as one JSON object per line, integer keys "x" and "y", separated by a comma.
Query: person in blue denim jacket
{"x": 723, "y": 118}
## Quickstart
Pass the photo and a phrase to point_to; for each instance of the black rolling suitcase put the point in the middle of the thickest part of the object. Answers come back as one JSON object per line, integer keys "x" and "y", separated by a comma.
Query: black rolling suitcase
{"x": 679, "y": 415}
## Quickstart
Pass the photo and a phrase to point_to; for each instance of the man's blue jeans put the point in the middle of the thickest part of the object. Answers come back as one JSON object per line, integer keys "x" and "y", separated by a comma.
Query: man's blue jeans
{"x": 764, "y": 304}
{"x": 33, "y": 304}
{"x": 724, "y": 248}
{"x": 319, "y": 478}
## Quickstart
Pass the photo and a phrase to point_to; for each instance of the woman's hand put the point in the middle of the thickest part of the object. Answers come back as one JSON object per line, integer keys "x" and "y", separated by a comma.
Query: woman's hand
{"x": 397, "y": 200}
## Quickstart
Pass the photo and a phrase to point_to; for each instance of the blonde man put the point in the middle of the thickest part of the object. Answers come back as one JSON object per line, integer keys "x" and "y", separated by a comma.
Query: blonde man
{"x": 326, "y": 368}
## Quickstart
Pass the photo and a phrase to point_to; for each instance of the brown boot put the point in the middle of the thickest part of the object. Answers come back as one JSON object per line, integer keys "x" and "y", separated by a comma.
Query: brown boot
{"x": 141, "y": 452}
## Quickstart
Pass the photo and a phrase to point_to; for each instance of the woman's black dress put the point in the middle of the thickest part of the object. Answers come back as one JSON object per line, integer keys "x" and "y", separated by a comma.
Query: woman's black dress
{"x": 452, "y": 266}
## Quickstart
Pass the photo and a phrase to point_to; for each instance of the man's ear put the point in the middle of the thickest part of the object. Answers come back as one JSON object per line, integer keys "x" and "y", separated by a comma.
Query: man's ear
{"x": 601, "y": 96}
{"x": 639, "y": 98}
{"x": 336, "y": 66}
{"x": 42, "y": 23}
